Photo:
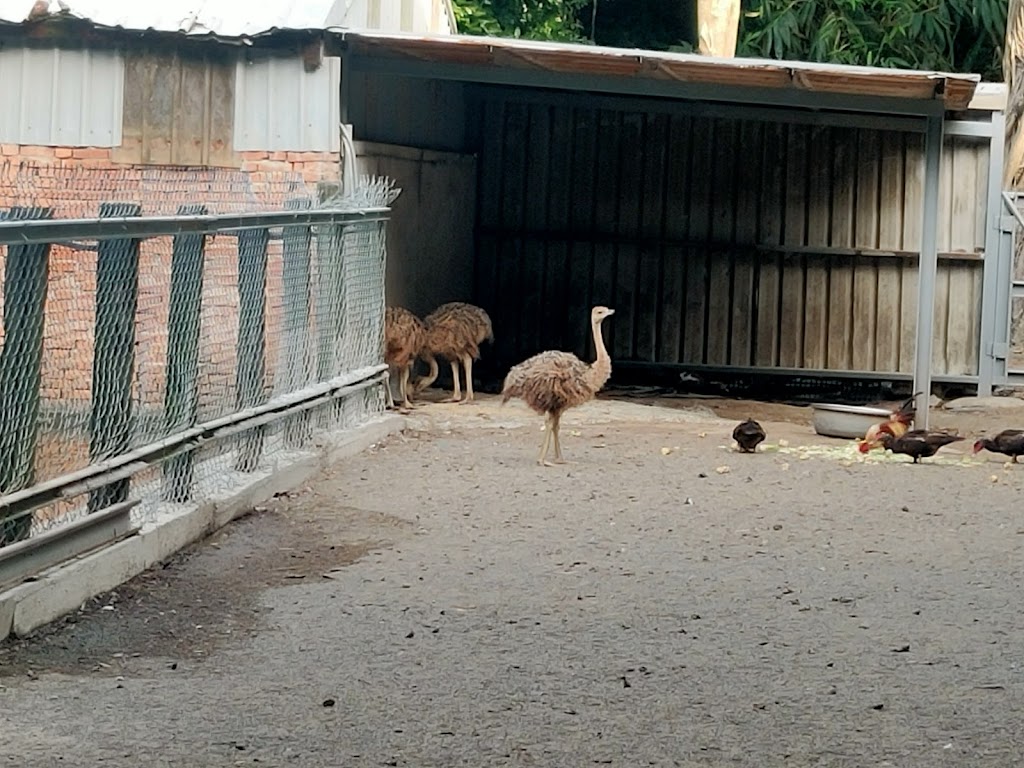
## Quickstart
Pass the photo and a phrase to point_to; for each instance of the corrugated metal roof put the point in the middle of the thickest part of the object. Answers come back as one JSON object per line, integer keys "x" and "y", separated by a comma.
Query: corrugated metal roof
{"x": 955, "y": 90}
{"x": 223, "y": 18}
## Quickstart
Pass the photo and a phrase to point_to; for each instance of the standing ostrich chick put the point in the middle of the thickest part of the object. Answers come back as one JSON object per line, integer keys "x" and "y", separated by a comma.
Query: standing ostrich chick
{"x": 455, "y": 332}
{"x": 552, "y": 382}
{"x": 404, "y": 334}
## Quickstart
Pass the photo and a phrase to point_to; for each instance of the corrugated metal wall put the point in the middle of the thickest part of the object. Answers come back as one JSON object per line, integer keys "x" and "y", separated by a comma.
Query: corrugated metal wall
{"x": 55, "y": 97}
{"x": 721, "y": 242}
{"x": 281, "y": 107}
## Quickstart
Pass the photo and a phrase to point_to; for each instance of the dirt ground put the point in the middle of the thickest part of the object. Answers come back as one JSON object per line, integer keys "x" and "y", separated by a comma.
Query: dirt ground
{"x": 440, "y": 600}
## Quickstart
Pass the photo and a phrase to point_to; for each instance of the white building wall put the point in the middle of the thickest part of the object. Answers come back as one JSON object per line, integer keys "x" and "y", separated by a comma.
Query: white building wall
{"x": 423, "y": 17}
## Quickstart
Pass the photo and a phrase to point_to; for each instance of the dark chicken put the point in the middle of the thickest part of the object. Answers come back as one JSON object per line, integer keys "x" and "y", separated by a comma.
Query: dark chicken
{"x": 748, "y": 435}
{"x": 1009, "y": 442}
{"x": 918, "y": 443}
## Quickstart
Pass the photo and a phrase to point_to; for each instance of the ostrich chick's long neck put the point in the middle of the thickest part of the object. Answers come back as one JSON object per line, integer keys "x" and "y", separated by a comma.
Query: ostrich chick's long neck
{"x": 601, "y": 368}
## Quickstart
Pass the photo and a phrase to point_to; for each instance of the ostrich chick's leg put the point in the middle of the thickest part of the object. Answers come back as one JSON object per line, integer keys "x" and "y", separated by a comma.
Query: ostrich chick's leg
{"x": 544, "y": 445}
{"x": 457, "y": 388}
{"x": 387, "y": 389}
{"x": 467, "y": 366}
{"x": 405, "y": 386}
{"x": 556, "y": 426}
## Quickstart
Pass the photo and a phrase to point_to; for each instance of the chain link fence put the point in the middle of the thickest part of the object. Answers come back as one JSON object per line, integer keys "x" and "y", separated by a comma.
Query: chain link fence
{"x": 156, "y": 359}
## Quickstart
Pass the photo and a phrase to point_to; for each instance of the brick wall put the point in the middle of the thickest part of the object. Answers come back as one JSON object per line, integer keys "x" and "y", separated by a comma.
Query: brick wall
{"x": 74, "y": 181}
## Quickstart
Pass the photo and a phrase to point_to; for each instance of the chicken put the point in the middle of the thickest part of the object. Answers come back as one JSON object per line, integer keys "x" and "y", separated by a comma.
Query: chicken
{"x": 748, "y": 435}
{"x": 1009, "y": 442}
{"x": 897, "y": 424}
{"x": 918, "y": 443}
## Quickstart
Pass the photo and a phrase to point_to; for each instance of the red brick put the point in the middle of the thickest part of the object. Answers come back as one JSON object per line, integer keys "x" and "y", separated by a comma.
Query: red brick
{"x": 254, "y": 155}
{"x": 91, "y": 153}
{"x": 35, "y": 151}
{"x": 9, "y": 149}
{"x": 62, "y": 152}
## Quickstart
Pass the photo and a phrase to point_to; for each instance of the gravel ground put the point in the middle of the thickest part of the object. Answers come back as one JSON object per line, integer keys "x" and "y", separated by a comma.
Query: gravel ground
{"x": 442, "y": 601}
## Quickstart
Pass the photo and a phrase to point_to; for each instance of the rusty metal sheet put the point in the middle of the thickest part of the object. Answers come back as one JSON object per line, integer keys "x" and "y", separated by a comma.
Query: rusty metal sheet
{"x": 955, "y": 90}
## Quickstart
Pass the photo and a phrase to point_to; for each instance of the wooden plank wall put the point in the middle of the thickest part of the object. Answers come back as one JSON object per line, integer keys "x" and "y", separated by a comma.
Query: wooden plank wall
{"x": 721, "y": 242}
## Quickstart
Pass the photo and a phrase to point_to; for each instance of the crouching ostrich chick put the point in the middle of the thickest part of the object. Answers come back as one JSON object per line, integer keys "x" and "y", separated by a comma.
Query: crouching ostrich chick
{"x": 404, "y": 334}
{"x": 455, "y": 332}
{"x": 552, "y": 382}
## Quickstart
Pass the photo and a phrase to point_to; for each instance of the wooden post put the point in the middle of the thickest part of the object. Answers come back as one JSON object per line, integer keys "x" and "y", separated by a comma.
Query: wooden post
{"x": 251, "y": 366}
{"x": 718, "y": 26}
{"x": 296, "y": 300}
{"x": 112, "y": 420}
{"x": 21, "y": 361}
{"x": 1013, "y": 163}
{"x": 1013, "y": 76}
{"x": 181, "y": 399}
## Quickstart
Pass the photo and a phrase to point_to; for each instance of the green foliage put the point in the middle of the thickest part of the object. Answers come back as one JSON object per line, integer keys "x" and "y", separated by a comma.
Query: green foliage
{"x": 532, "y": 19}
{"x": 951, "y": 35}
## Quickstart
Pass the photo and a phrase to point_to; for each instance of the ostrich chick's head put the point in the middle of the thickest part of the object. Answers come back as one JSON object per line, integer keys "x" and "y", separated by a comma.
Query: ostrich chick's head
{"x": 979, "y": 445}
{"x": 597, "y": 314}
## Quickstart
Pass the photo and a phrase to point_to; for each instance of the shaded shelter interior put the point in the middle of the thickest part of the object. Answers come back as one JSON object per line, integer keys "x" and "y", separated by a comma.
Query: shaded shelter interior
{"x": 728, "y": 239}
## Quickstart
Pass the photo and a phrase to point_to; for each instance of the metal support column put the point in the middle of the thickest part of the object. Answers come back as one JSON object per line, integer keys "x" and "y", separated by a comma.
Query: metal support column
{"x": 927, "y": 269}
{"x": 991, "y": 283}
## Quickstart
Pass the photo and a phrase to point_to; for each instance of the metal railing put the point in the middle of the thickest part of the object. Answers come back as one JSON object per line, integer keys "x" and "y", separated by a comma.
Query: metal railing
{"x": 154, "y": 361}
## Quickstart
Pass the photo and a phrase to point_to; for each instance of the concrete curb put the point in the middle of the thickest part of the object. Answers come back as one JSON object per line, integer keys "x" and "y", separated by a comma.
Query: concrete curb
{"x": 63, "y": 588}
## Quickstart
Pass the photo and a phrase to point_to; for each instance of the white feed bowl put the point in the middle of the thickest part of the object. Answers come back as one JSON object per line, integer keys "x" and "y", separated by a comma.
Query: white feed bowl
{"x": 850, "y": 421}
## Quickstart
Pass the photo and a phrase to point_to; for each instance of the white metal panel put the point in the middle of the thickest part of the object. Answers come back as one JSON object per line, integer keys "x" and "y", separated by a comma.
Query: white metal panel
{"x": 60, "y": 97}
{"x": 280, "y": 107}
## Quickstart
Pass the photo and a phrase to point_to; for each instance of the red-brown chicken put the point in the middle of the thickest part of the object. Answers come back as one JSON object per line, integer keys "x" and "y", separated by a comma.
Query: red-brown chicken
{"x": 897, "y": 424}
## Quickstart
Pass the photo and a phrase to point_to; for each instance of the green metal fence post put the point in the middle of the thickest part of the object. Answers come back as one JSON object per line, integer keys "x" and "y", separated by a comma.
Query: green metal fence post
{"x": 112, "y": 420}
{"x": 329, "y": 304}
{"x": 21, "y": 361}
{"x": 250, "y": 372}
{"x": 296, "y": 300}
{"x": 181, "y": 399}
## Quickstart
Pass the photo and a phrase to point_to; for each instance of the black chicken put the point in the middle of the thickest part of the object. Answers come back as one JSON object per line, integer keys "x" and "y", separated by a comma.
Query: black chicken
{"x": 918, "y": 443}
{"x": 748, "y": 435}
{"x": 1009, "y": 442}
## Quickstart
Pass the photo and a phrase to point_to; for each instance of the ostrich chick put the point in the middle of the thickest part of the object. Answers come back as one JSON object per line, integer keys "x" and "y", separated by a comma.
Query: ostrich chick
{"x": 552, "y": 382}
{"x": 455, "y": 332}
{"x": 748, "y": 435}
{"x": 404, "y": 334}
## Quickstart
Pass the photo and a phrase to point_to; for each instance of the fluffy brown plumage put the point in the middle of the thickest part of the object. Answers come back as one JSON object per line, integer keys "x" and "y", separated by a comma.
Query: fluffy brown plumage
{"x": 748, "y": 435}
{"x": 552, "y": 382}
{"x": 404, "y": 335}
{"x": 455, "y": 332}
